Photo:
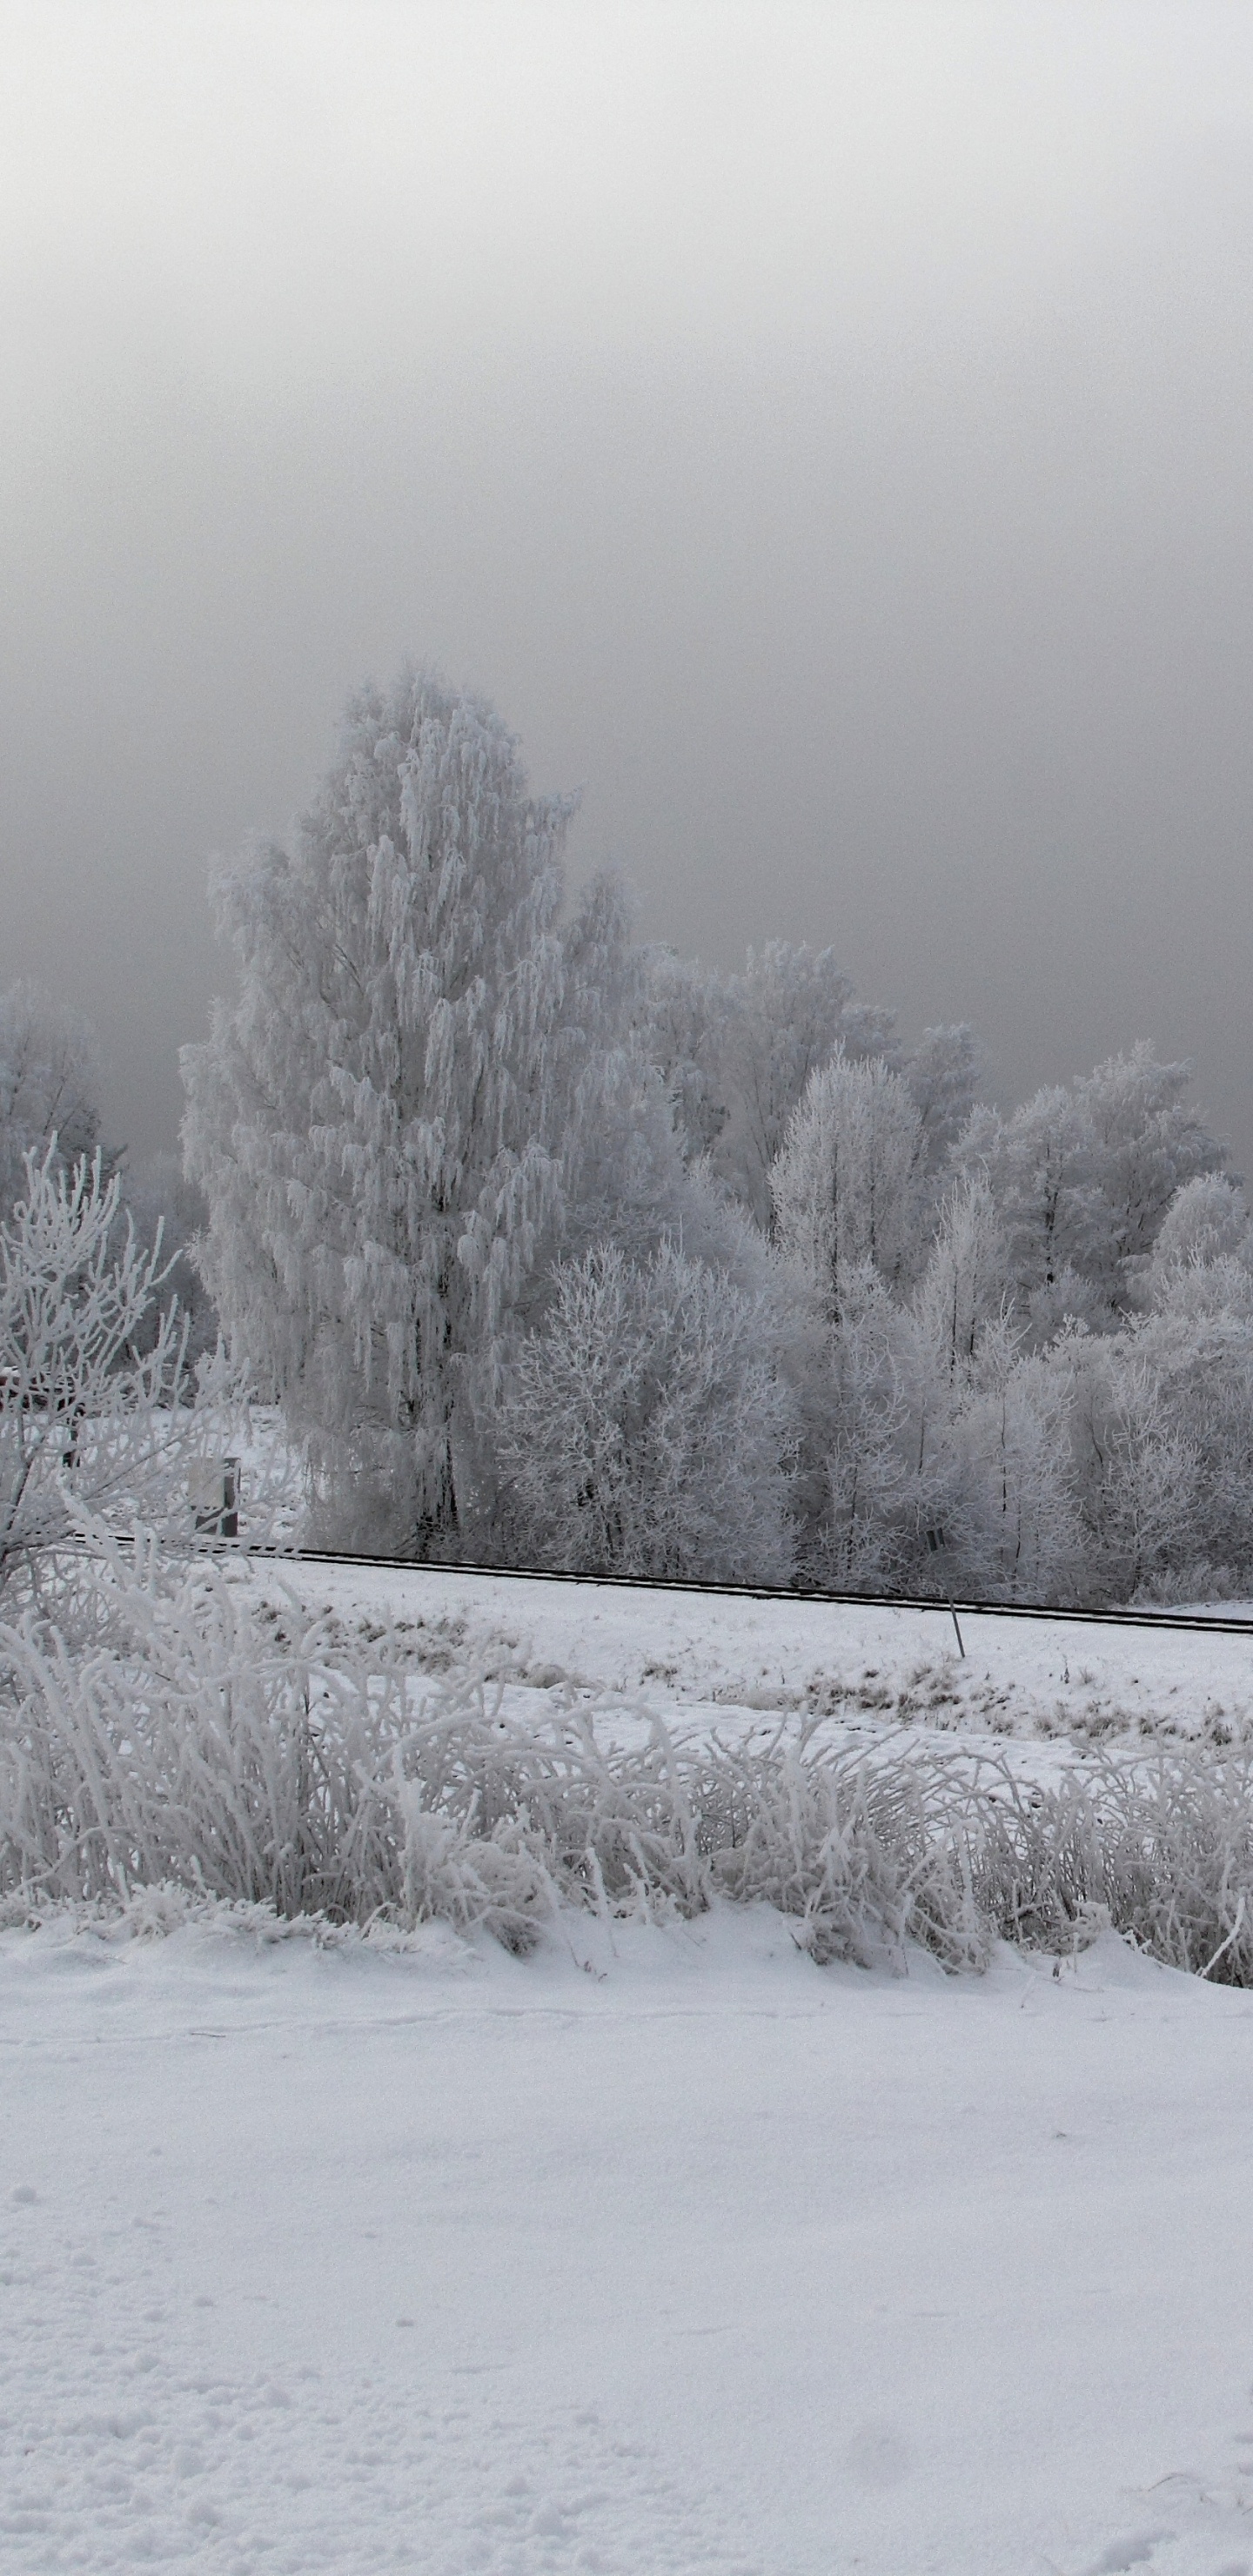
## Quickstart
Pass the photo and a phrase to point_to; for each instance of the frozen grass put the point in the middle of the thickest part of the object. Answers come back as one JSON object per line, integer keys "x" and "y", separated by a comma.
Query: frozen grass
{"x": 1160, "y": 1847}
{"x": 168, "y": 1733}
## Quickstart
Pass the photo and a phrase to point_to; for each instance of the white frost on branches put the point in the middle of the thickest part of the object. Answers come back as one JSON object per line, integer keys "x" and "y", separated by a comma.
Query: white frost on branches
{"x": 49, "y": 1082}
{"x": 846, "y": 1182}
{"x": 647, "y": 1429}
{"x": 379, "y": 1124}
{"x": 92, "y": 1428}
{"x": 553, "y": 1246}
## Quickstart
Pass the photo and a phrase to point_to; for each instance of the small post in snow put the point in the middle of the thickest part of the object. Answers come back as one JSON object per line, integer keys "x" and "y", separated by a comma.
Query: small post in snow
{"x": 213, "y": 1492}
{"x": 935, "y": 1541}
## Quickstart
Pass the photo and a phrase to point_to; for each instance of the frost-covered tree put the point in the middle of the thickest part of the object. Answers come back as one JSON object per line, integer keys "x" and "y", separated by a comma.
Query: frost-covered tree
{"x": 1082, "y": 1176}
{"x": 681, "y": 1016}
{"x": 961, "y": 1296}
{"x": 92, "y": 1425}
{"x": 1022, "y": 1535}
{"x": 845, "y": 1184}
{"x": 878, "y": 1480}
{"x": 1164, "y": 1417}
{"x": 628, "y": 1182}
{"x": 1207, "y": 1221}
{"x": 1038, "y": 1166}
{"x": 49, "y": 1084}
{"x": 787, "y": 1014}
{"x": 735, "y": 1052}
{"x": 626, "y": 1179}
{"x": 1146, "y": 1143}
{"x": 165, "y": 1208}
{"x": 942, "y": 1077}
{"x": 1202, "y": 1367}
{"x": 1137, "y": 1470}
{"x": 379, "y": 1123}
{"x": 941, "y": 1424}
{"x": 646, "y": 1428}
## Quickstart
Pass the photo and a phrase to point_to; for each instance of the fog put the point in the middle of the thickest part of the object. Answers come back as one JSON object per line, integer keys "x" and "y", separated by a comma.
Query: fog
{"x": 824, "y": 433}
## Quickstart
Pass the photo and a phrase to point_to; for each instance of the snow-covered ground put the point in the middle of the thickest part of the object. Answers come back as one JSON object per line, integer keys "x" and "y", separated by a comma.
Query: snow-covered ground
{"x": 670, "y": 2254}
{"x": 664, "y": 2249}
{"x": 714, "y": 1662}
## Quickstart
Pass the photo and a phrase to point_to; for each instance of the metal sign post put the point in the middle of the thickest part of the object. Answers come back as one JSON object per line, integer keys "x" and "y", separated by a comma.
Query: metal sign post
{"x": 213, "y": 1492}
{"x": 936, "y": 1541}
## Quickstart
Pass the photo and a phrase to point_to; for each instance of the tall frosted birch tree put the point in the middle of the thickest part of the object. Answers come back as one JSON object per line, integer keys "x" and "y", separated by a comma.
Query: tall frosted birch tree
{"x": 846, "y": 1182}
{"x": 379, "y": 1121}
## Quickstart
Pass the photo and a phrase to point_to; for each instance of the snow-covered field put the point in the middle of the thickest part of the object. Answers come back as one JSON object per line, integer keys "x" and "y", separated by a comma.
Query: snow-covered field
{"x": 718, "y": 1662}
{"x": 663, "y": 2249}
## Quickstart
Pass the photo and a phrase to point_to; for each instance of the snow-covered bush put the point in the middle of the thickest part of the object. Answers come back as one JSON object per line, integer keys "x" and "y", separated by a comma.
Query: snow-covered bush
{"x": 647, "y": 1428}
{"x": 87, "y": 1426}
{"x": 197, "y": 1741}
{"x": 200, "y": 1744}
{"x": 857, "y": 1853}
{"x": 1161, "y": 1848}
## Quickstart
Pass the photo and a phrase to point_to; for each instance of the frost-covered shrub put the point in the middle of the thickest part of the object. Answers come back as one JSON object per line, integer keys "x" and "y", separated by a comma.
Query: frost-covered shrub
{"x": 188, "y": 1737}
{"x": 855, "y": 1851}
{"x": 647, "y": 1429}
{"x": 195, "y": 1741}
{"x": 1161, "y": 1848}
{"x": 100, "y": 1415}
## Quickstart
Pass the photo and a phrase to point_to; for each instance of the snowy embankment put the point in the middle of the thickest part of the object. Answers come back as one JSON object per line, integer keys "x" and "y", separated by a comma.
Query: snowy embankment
{"x": 662, "y": 2247}
{"x": 705, "y": 1660}
{"x": 663, "y": 2250}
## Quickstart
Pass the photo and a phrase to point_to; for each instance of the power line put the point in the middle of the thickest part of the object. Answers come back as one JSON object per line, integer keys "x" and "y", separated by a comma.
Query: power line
{"x": 1190, "y": 1621}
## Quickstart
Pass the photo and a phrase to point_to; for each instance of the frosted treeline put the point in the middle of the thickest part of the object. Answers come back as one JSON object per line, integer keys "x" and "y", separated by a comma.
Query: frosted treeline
{"x": 556, "y": 1249}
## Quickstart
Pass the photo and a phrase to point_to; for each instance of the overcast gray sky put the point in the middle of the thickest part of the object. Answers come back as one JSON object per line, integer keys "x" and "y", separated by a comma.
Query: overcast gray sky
{"x": 825, "y": 432}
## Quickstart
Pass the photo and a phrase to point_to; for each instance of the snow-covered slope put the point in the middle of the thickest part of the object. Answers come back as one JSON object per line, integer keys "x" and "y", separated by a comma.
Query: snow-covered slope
{"x": 705, "y": 1658}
